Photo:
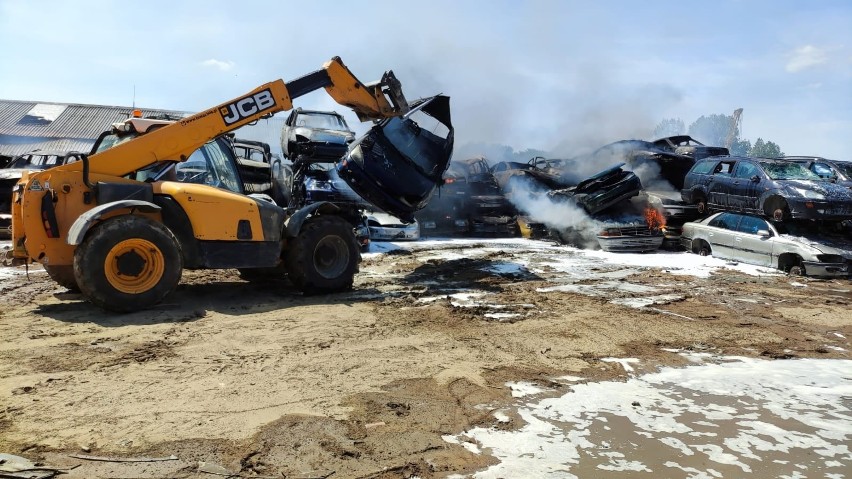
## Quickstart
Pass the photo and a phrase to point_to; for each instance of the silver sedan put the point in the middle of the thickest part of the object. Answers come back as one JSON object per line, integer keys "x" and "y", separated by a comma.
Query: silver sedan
{"x": 753, "y": 240}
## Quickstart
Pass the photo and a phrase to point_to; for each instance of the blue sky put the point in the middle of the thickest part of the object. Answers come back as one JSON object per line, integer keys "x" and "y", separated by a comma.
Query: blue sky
{"x": 561, "y": 76}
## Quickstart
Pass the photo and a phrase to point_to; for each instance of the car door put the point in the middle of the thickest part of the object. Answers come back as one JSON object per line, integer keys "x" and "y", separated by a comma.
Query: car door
{"x": 745, "y": 184}
{"x": 749, "y": 246}
{"x": 719, "y": 186}
{"x": 720, "y": 234}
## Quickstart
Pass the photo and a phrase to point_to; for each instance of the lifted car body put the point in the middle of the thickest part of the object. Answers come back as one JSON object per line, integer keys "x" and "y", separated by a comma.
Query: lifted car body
{"x": 776, "y": 188}
{"x": 839, "y": 172}
{"x": 319, "y": 135}
{"x": 397, "y": 164}
{"x": 603, "y": 190}
{"x": 790, "y": 247}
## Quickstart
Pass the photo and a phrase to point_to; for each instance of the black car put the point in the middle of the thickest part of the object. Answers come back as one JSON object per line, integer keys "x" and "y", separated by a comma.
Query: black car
{"x": 603, "y": 190}
{"x": 400, "y": 162}
{"x": 776, "y": 188}
{"x": 446, "y": 211}
{"x": 318, "y": 135}
{"x": 839, "y": 172}
{"x": 672, "y": 156}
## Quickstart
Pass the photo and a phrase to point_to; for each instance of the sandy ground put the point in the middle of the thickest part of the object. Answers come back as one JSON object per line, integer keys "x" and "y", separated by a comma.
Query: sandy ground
{"x": 256, "y": 379}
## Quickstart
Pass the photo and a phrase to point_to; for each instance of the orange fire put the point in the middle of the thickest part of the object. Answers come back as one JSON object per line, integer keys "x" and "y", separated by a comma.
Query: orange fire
{"x": 654, "y": 218}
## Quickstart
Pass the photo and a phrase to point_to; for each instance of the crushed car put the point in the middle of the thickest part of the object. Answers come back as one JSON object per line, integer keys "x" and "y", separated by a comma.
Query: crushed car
{"x": 262, "y": 171}
{"x": 318, "y": 135}
{"x": 445, "y": 214}
{"x": 672, "y": 156}
{"x": 790, "y": 247}
{"x": 489, "y": 211}
{"x": 398, "y": 164}
{"x": 775, "y": 188}
{"x": 601, "y": 191}
{"x": 631, "y": 237}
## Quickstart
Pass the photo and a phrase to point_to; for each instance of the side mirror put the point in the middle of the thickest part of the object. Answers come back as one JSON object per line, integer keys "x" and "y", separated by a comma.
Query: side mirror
{"x": 764, "y": 233}
{"x": 755, "y": 179}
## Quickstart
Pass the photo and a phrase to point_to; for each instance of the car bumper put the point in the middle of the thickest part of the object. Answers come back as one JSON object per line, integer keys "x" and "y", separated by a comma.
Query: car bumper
{"x": 831, "y": 270}
{"x": 381, "y": 233}
{"x": 333, "y": 151}
{"x": 494, "y": 226}
{"x": 630, "y": 244}
{"x": 812, "y": 209}
{"x": 447, "y": 226}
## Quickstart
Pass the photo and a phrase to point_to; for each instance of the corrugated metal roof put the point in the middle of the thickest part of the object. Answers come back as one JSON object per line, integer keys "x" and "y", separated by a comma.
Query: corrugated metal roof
{"x": 63, "y": 144}
{"x": 76, "y": 121}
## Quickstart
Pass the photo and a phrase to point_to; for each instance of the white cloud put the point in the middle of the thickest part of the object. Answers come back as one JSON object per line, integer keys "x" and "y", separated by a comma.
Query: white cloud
{"x": 806, "y": 57}
{"x": 224, "y": 66}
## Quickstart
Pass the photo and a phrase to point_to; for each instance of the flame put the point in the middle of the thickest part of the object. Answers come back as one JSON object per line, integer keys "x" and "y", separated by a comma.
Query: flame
{"x": 654, "y": 218}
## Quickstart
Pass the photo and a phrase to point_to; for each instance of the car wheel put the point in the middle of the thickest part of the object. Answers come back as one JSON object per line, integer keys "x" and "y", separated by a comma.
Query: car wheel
{"x": 704, "y": 251}
{"x": 777, "y": 209}
{"x": 798, "y": 270}
{"x": 702, "y": 207}
{"x": 324, "y": 257}
{"x": 128, "y": 263}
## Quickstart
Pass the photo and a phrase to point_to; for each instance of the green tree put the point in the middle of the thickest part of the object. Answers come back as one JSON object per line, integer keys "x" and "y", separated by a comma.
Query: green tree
{"x": 669, "y": 127}
{"x": 712, "y": 129}
{"x": 766, "y": 149}
{"x": 740, "y": 147}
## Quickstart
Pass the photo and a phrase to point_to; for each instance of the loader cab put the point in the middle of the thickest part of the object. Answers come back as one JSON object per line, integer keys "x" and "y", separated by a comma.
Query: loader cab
{"x": 213, "y": 164}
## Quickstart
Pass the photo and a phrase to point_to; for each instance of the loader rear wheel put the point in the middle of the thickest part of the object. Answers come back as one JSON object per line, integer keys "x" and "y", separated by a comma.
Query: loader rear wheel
{"x": 324, "y": 257}
{"x": 63, "y": 275}
{"x": 128, "y": 263}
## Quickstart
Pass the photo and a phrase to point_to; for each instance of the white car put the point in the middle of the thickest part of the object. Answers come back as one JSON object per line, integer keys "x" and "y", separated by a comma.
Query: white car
{"x": 791, "y": 247}
{"x": 384, "y": 227}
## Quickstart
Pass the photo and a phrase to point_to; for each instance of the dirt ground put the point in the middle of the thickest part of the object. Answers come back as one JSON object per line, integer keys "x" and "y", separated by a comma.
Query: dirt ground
{"x": 257, "y": 380}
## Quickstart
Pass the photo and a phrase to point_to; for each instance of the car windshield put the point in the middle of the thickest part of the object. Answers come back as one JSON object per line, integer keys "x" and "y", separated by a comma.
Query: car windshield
{"x": 787, "y": 171}
{"x": 322, "y": 121}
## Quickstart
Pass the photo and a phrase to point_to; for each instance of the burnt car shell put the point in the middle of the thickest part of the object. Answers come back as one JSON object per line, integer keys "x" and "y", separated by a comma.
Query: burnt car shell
{"x": 630, "y": 238}
{"x": 320, "y": 135}
{"x": 602, "y": 190}
{"x": 397, "y": 165}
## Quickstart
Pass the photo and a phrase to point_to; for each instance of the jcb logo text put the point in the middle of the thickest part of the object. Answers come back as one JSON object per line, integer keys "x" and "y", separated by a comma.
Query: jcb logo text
{"x": 245, "y": 107}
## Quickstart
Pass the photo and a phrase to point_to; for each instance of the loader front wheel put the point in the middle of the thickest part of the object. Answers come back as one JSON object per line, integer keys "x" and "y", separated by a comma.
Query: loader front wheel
{"x": 63, "y": 275}
{"x": 324, "y": 257}
{"x": 128, "y": 263}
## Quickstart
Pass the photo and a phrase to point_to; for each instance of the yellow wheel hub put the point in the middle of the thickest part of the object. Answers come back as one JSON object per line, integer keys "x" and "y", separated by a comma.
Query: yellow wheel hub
{"x": 134, "y": 266}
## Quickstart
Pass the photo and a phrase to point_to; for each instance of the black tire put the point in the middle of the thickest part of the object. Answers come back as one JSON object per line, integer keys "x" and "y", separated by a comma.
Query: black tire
{"x": 64, "y": 276}
{"x": 324, "y": 257}
{"x": 704, "y": 251}
{"x": 701, "y": 206}
{"x": 128, "y": 263}
{"x": 797, "y": 270}
{"x": 701, "y": 248}
{"x": 777, "y": 210}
